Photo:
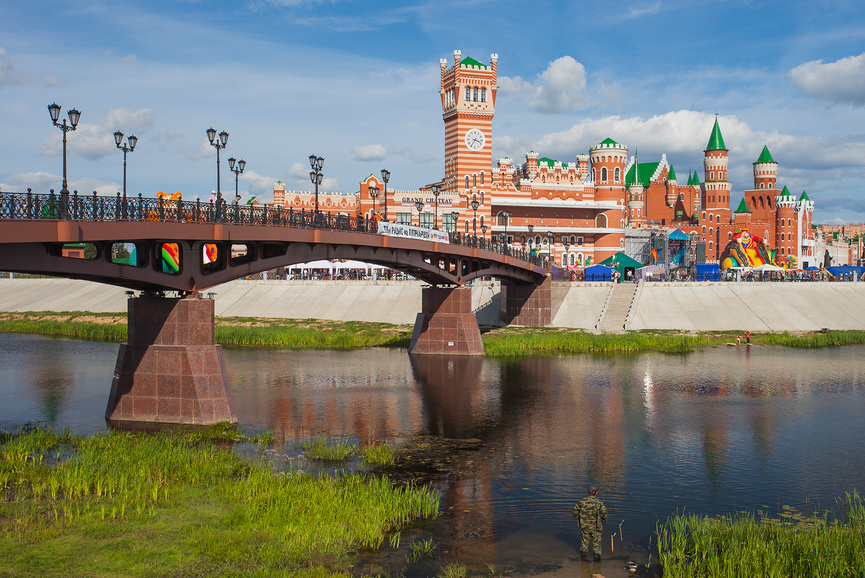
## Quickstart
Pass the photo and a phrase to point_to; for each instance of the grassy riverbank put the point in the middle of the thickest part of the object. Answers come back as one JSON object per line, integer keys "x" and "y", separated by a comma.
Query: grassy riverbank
{"x": 506, "y": 341}
{"x": 831, "y": 544}
{"x": 180, "y": 504}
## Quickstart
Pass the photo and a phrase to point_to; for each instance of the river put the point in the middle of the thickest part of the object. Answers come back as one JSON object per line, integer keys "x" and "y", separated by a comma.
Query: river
{"x": 720, "y": 430}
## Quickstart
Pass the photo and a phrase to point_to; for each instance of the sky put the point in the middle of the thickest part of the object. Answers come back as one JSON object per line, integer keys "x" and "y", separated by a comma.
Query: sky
{"x": 357, "y": 82}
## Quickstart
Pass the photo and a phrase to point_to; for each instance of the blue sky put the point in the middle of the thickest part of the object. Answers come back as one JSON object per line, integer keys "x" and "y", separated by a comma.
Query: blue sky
{"x": 357, "y": 83}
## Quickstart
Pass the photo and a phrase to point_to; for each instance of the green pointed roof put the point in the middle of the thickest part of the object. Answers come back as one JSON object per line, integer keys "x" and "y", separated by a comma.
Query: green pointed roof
{"x": 716, "y": 141}
{"x": 743, "y": 207}
{"x": 765, "y": 156}
{"x": 786, "y": 192}
{"x": 804, "y": 197}
{"x": 608, "y": 141}
{"x": 469, "y": 61}
{"x": 548, "y": 161}
{"x": 645, "y": 173}
{"x": 672, "y": 175}
{"x": 695, "y": 180}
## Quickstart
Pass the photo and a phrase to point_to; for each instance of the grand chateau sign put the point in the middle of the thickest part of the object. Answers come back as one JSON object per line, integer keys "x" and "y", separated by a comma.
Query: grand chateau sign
{"x": 410, "y": 232}
{"x": 446, "y": 200}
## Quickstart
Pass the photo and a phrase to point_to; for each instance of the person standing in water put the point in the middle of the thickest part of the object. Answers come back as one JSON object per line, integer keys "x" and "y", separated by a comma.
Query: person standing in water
{"x": 591, "y": 514}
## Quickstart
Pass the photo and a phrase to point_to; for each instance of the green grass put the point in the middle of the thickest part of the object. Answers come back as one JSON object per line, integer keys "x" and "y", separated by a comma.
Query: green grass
{"x": 320, "y": 449}
{"x": 508, "y": 341}
{"x": 379, "y": 455}
{"x": 177, "y": 504}
{"x": 766, "y": 547}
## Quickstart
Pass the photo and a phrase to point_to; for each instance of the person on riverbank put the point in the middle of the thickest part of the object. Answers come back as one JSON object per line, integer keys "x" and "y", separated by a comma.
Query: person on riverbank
{"x": 591, "y": 514}
{"x": 747, "y": 338}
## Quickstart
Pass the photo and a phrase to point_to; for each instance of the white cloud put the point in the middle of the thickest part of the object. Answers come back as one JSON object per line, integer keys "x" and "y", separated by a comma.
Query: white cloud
{"x": 841, "y": 81}
{"x": 562, "y": 87}
{"x": 8, "y": 75}
{"x": 374, "y": 152}
{"x": 96, "y": 141}
{"x": 513, "y": 85}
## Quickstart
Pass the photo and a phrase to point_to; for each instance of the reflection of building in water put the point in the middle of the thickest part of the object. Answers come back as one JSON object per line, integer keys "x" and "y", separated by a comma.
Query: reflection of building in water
{"x": 459, "y": 404}
{"x": 366, "y": 398}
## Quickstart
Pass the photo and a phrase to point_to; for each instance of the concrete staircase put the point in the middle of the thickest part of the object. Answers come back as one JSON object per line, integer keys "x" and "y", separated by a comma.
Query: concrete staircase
{"x": 616, "y": 312}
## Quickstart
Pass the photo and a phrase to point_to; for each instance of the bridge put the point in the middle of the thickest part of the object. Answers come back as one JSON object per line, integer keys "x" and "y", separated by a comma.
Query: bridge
{"x": 171, "y": 370}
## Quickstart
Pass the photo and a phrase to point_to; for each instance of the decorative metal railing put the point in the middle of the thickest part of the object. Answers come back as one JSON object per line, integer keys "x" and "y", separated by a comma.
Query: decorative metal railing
{"x": 75, "y": 207}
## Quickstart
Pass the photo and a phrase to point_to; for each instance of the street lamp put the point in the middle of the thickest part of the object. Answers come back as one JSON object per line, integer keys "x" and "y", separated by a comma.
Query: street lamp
{"x": 316, "y": 163}
{"x": 455, "y": 215}
{"x": 219, "y": 144}
{"x": 385, "y": 176}
{"x": 128, "y": 147}
{"x": 436, "y": 191}
{"x": 241, "y": 164}
{"x": 475, "y": 220}
{"x": 373, "y": 192}
{"x": 74, "y": 117}
{"x": 419, "y": 206}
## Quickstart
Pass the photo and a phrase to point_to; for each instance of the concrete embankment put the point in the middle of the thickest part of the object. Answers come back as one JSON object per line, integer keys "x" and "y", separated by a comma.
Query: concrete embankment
{"x": 684, "y": 306}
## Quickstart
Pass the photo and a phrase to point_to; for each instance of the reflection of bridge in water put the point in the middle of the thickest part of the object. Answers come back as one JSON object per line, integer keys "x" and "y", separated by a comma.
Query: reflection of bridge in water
{"x": 171, "y": 370}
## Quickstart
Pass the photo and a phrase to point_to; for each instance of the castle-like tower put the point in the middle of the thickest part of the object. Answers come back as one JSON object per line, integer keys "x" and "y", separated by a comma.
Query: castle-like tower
{"x": 468, "y": 96}
{"x": 636, "y": 204}
{"x": 716, "y": 188}
{"x": 608, "y": 160}
{"x": 765, "y": 170}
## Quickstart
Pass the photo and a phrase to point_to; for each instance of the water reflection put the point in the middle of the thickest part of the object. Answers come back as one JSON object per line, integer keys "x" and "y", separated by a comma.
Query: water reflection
{"x": 715, "y": 431}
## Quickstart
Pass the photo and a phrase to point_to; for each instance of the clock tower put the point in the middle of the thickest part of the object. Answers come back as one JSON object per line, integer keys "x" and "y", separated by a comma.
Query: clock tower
{"x": 468, "y": 94}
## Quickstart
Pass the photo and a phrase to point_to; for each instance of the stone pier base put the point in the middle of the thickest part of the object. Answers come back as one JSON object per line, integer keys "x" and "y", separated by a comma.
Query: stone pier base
{"x": 531, "y": 305}
{"x": 170, "y": 371}
{"x": 446, "y": 324}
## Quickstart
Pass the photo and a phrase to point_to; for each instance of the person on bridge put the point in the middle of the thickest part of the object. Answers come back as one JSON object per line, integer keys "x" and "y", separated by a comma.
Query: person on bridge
{"x": 591, "y": 514}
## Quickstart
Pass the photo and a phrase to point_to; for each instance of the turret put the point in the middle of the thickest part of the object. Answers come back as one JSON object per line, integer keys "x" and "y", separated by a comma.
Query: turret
{"x": 636, "y": 203}
{"x": 608, "y": 172}
{"x": 765, "y": 170}
{"x": 716, "y": 189}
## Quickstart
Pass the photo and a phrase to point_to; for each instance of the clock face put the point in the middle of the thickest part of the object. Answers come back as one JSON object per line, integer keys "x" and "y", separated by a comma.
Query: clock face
{"x": 475, "y": 139}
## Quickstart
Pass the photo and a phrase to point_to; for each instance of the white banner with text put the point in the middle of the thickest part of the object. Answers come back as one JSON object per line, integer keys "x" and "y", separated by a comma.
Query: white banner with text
{"x": 410, "y": 232}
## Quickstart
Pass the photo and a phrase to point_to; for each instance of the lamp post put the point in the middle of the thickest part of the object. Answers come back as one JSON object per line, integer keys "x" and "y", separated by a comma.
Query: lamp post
{"x": 385, "y": 176}
{"x": 74, "y": 117}
{"x": 241, "y": 164}
{"x": 316, "y": 163}
{"x": 219, "y": 144}
{"x": 419, "y": 206}
{"x": 436, "y": 191}
{"x": 127, "y": 147}
{"x": 455, "y": 215}
{"x": 373, "y": 192}
{"x": 484, "y": 232}
{"x": 475, "y": 219}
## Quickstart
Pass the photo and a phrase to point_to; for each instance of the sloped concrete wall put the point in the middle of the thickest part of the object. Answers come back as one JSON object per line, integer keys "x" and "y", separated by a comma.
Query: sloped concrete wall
{"x": 682, "y": 306}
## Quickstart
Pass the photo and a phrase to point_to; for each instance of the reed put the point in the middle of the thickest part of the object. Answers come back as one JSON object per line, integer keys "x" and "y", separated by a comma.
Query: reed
{"x": 790, "y": 544}
{"x": 379, "y": 455}
{"x": 551, "y": 341}
{"x": 320, "y": 449}
{"x": 72, "y": 503}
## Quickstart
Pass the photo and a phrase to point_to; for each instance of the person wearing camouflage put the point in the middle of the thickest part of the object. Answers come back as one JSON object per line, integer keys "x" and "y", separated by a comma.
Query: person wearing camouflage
{"x": 591, "y": 514}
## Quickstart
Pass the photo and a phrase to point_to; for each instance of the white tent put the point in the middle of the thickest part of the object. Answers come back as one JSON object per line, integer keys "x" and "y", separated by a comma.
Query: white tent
{"x": 331, "y": 266}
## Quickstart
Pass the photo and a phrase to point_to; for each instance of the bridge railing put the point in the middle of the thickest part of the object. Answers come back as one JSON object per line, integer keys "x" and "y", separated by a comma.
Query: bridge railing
{"x": 72, "y": 206}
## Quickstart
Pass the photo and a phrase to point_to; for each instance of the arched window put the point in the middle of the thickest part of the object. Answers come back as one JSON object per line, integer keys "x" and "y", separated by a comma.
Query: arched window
{"x": 537, "y": 239}
{"x": 468, "y": 93}
{"x": 601, "y": 221}
{"x": 604, "y": 174}
{"x": 482, "y": 182}
{"x": 789, "y": 222}
{"x": 710, "y": 245}
{"x": 617, "y": 174}
{"x": 467, "y": 181}
{"x": 681, "y": 196}
{"x": 467, "y": 226}
{"x": 482, "y": 220}
{"x": 711, "y": 231}
{"x": 483, "y": 95}
{"x": 729, "y": 236}
{"x": 762, "y": 185}
{"x": 593, "y": 175}
{"x": 753, "y": 203}
{"x": 476, "y": 94}
{"x": 522, "y": 240}
{"x": 710, "y": 218}
{"x": 762, "y": 206}
{"x": 474, "y": 180}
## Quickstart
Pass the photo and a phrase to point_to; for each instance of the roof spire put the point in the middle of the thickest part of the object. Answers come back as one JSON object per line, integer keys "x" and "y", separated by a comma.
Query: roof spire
{"x": 716, "y": 141}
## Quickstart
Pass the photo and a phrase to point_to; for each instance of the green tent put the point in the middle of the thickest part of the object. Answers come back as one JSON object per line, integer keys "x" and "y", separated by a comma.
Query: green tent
{"x": 622, "y": 263}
